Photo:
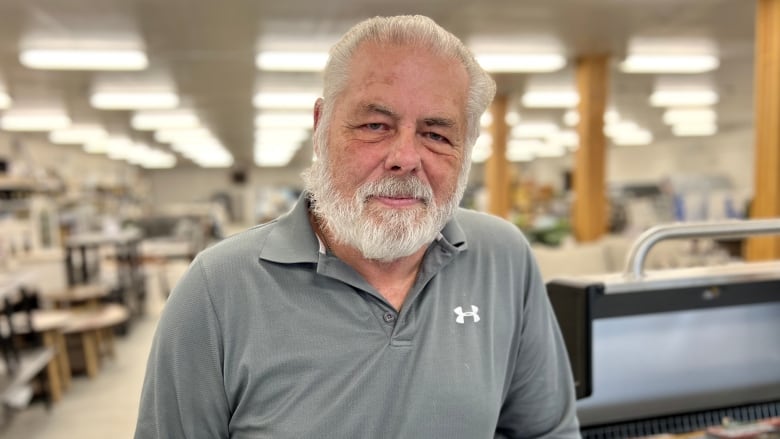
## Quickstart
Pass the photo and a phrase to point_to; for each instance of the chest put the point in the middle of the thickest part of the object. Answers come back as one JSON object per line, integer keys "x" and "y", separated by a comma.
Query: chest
{"x": 326, "y": 350}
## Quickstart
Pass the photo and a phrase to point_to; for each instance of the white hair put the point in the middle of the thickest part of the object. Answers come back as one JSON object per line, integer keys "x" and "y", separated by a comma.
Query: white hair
{"x": 400, "y": 233}
{"x": 415, "y": 31}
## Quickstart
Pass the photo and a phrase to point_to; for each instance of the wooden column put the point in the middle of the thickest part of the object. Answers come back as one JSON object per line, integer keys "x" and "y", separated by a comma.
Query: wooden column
{"x": 497, "y": 166}
{"x": 766, "y": 200}
{"x": 589, "y": 212}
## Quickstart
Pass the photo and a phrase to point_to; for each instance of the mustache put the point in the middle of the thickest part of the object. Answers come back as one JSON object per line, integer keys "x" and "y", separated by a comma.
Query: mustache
{"x": 396, "y": 187}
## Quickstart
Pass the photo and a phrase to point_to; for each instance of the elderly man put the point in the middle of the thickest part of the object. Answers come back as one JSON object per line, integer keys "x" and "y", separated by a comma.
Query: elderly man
{"x": 375, "y": 308}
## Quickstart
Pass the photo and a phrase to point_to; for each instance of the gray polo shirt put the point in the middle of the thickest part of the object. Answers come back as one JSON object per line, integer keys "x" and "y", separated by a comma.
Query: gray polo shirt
{"x": 266, "y": 336}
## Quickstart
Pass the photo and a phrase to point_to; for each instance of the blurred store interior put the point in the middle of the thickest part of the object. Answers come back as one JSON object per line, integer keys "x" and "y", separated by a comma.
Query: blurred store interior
{"x": 135, "y": 133}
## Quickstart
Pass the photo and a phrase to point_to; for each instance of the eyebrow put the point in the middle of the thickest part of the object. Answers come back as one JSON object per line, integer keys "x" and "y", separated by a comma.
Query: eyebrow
{"x": 376, "y": 108}
{"x": 428, "y": 121}
{"x": 439, "y": 122}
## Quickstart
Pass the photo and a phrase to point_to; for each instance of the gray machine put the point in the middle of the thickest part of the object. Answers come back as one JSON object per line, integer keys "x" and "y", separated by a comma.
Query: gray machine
{"x": 674, "y": 350}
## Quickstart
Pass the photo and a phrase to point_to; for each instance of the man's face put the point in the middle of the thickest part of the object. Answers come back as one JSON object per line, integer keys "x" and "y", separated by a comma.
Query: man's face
{"x": 396, "y": 145}
{"x": 402, "y": 114}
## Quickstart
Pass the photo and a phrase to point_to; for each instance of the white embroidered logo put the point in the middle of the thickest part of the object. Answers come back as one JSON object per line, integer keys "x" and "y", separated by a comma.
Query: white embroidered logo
{"x": 462, "y": 315}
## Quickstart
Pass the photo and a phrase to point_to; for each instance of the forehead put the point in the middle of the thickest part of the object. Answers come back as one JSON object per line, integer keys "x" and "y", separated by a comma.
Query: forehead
{"x": 407, "y": 73}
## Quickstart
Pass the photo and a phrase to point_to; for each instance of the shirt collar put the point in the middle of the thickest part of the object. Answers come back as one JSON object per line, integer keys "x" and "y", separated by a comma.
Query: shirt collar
{"x": 292, "y": 239}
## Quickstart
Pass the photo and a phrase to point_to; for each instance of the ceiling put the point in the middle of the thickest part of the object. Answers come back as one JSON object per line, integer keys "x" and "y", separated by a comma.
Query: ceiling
{"x": 207, "y": 48}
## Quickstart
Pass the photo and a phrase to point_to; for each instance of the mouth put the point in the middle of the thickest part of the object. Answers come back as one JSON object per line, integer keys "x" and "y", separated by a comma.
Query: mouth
{"x": 398, "y": 202}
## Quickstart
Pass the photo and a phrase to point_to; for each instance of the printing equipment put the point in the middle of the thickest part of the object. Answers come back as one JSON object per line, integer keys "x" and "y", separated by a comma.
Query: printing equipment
{"x": 677, "y": 350}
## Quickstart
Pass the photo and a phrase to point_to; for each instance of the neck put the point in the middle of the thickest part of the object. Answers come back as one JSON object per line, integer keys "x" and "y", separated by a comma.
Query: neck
{"x": 393, "y": 279}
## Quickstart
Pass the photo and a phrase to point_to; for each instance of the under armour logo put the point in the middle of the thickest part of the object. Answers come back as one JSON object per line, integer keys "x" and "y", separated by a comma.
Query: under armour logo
{"x": 462, "y": 315}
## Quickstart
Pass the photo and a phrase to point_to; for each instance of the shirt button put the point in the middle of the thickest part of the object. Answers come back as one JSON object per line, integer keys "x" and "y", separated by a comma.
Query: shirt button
{"x": 389, "y": 317}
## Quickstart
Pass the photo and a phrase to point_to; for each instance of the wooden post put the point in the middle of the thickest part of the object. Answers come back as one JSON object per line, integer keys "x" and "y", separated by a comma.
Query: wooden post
{"x": 497, "y": 167}
{"x": 589, "y": 212}
{"x": 766, "y": 200}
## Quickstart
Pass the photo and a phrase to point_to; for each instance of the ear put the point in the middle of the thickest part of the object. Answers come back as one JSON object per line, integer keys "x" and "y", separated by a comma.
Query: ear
{"x": 318, "y": 108}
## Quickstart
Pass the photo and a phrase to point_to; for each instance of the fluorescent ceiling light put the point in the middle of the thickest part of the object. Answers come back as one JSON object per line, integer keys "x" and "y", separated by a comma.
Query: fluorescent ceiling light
{"x": 223, "y": 161}
{"x": 670, "y": 55}
{"x": 194, "y": 150}
{"x": 77, "y": 134}
{"x": 156, "y": 119}
{"x": 675, "y": 116}
{"x": 158, "y": 160}
{"x": 177, "y": 135}
{"x": 281, "y": 135}
{"x": 551, "y": 150}
{"x": 134, "y": 100}
{"x": 669, "y": 63}
{"x": 96, "y": 146}
{"x": 5, "y": 100}
{"x": 532, "y": 129}
{"x": 291, "y": 61}
{"x": 694, "y": 129}
{"x": 283, "y": 100}
{"x": 273, "y": 157}
{"x": 33, "y": 120}
{"x": 83, "y": 59}
{"x": 621, "y": 127}
{"x": 683, "y": 98}
{"x": 118, "y": 148}
{"x": 284, "y": 120}
{"x": 550, "y": 99}
{"x": 514, "y": 62}
{"x": 636, "y": 137}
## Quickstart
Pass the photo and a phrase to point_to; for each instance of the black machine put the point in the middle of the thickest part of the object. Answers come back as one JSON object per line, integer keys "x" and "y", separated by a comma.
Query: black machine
{"x": 674, "y": 350}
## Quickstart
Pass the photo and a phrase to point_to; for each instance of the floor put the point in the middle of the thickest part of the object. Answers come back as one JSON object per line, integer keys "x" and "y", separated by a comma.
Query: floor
{"x": 105, "y": 406}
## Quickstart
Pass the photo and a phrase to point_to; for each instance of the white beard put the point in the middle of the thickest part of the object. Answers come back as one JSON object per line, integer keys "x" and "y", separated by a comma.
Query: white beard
{"x": 379, "y": 233}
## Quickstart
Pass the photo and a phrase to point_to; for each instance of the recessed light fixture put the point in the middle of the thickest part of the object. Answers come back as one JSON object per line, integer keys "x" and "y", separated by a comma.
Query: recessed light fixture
{"x": 683, "y": 98}
{"x": 550, "y": 99}
{"x": 77, "y": 134}
{"x": 178, "y": 135}
{"x": 674, "y": 116}
{"x": 134, "y": 100}
{"x": 83, "y": 59}
{"x": 694, "y": 129}
{"x": 630, "y": 138}
{"x": 520, "y": 63}
{"x": 517, "y": 53}
{"x": 269, "y": 156}
{"x": 157, "y": 119}
{"x": 33, "y": 120}
{"x": 670, "y": 55}
{"x": 669, "y": 64}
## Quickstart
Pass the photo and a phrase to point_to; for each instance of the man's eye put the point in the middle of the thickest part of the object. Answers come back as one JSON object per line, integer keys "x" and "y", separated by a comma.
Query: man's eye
{"x": 375, "y": 126}
{"x": 437, "y": 137}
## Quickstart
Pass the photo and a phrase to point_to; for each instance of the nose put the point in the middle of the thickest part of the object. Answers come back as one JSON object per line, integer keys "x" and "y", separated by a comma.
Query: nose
{"x": 403, "y": 155}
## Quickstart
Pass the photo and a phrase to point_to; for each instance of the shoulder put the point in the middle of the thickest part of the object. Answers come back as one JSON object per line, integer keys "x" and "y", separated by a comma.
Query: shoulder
{"x": 485, "y": 230}
{"x": 242, "y": 246}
